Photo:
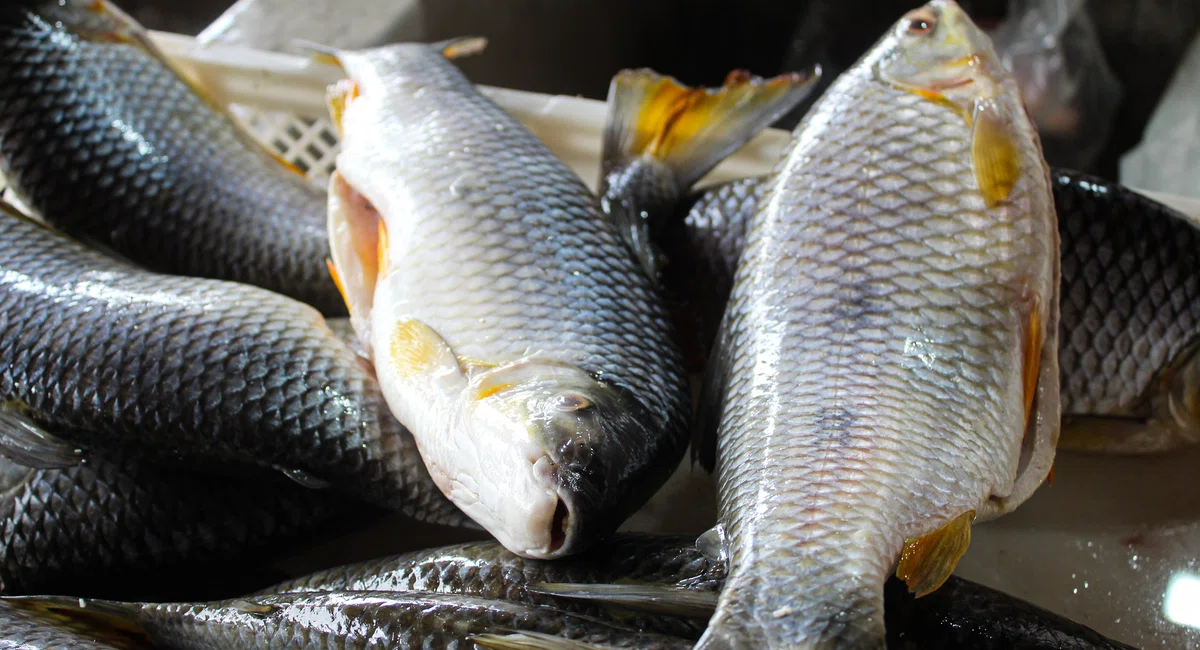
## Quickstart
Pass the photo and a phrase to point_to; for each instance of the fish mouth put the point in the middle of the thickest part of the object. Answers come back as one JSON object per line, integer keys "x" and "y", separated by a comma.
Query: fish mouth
{"x": 561, "y": 527}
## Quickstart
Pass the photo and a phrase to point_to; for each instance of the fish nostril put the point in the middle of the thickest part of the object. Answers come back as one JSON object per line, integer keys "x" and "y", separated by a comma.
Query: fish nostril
{"x": 559, "y": 525}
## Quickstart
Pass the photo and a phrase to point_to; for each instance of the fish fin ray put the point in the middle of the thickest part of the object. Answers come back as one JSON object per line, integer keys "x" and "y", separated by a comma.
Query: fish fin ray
{"x": 690, "y": 130}
{"x": 530, "y": 641}
{"x": 26, "y": 443}
{"x": 416, "y": 349}
{"x": 460, "y": 47}
{"x": 355, "y": 248}
{"x": 305, "y": 479}
{"x": 319, "y": 52}
{"x": 994, "y": 154}
{"x": 928, "y": 561}
{"x": 112, "y": 622}
{"x": 649, "y": 598}
{"x": 338, "y": 97}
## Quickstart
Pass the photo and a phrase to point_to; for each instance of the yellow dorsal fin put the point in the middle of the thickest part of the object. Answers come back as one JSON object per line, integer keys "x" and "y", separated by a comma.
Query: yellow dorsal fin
{"x": 929, "y": 560}
{"x": 994, "y": 154}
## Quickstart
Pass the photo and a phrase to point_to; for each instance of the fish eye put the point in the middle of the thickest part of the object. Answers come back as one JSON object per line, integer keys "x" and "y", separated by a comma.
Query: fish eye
{"x": 571, "y": 402}
{"x": 920, "y": 22}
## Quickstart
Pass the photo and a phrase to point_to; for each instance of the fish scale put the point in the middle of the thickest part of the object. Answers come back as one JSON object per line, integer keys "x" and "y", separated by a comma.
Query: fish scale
{"x": 82, "y": 529}
{"x": 88, "y": 345}
{"x": 870, "y": 361}
{"x": 166, "y": 179}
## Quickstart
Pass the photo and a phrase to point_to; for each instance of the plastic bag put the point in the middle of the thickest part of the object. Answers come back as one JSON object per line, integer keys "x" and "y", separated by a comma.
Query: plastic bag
{"x": 1168, "y": 157}
{"x": 1052, "y": 49}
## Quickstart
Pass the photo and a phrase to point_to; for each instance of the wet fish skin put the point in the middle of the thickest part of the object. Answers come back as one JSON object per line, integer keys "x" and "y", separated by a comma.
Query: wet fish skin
{"x": 24, "y": 629}
{"x": 354, "y": 620}
{"x": 193, "y": 369}
{"x": 511, "y": 329}
{"x": 107, "y": 143}
{"x": 964, "y": 614}
{"x": 1130, "y": 320}
{"x": 487, "y": 570}
{"x": 887, "y": 364}
{"x": 132, "y": 527}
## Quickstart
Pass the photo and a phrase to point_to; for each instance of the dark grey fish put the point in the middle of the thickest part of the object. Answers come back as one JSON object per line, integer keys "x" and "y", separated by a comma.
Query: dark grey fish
{"x": 1130, "y": 326}
{"x": 131, "y": 527}
{"x": 24, "y": 627}
{"x": 114, "y": 357}
{"x": 106, "y": 141}
{"x": 661, "y": 137}
{"x": 487, "y": 570}
{"x": 362, "y": 620}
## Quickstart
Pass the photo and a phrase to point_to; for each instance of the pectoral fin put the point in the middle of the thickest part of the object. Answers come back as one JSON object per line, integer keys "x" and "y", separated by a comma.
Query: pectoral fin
{"x": 994, "y": 153}
{"x": 416, "y": 353}
{"x": 929, "y": 560}
{"x": 649, "y": 598}
{"x": 530, "y": 641}
{"x": 26, "y": 443}
{"x": 354, "y": 228}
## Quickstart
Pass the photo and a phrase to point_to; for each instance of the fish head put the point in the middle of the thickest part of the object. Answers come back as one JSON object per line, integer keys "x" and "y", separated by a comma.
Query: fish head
{"x": 579, "y": 434}
{"x": 937, "y": 51}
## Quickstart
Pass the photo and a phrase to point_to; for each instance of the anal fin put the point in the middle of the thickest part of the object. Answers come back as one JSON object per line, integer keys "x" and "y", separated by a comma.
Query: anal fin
{"x": 928, "y": 561}
{"x": 25, "y": 443}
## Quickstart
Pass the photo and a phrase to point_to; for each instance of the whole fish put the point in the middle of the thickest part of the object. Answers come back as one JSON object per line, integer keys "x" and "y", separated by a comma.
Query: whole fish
{"x": 511, "y": 330}
{"x": 26, "y": 628}
{"x": 488, "y": 570}
{"x": 131, "y": 527}
{"x": 107, "y": 355}
{"x": 886, "y": 372}
{"x": 1130, "y": 322}
{"x": 105, "y": 140}
{"x": 660, "y": 137}
{"x": 359, "y": 619}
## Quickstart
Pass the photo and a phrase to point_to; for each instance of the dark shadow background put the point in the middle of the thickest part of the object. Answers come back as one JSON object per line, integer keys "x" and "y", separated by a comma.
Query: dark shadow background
{"x": 574, "y": 47}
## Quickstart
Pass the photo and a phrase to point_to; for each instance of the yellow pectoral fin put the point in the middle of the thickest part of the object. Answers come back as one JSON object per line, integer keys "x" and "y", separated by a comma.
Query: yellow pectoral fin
{"x": 415, "y": 350}
{"x": 994, "y": 153}
{"x": 928, "y": 561}
{"x": 354, "y": 229}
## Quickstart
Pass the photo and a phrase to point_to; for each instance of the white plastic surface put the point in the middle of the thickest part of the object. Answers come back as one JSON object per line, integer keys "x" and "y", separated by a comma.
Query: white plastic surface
{"x": 1168, "y": 157}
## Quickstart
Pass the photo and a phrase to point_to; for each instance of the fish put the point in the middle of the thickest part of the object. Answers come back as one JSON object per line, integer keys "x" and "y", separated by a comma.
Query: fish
{"x": 886, "y": 371}
{"x": 488, "y": 570}
{"x": 1129, "y": 327}
{"x": 24, "y": 628}
{"x": 96, "y": 353}
{"x": 107, "y": 140}
{"x": 127, "y": 526}
{"x": 511, "y": 330}
{"x": 961, "y": 614}
{"x": 358, "y": 619}
{"x": 661, "y": 137}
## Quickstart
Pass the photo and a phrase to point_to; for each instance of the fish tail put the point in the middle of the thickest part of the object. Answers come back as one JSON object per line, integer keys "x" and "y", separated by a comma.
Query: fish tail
{"x": 690, "y": 130}
{"x": 108, "y": 620}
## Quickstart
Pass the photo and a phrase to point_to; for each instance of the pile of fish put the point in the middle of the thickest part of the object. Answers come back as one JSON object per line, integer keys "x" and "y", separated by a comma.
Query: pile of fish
{"x": 892, "y": 328}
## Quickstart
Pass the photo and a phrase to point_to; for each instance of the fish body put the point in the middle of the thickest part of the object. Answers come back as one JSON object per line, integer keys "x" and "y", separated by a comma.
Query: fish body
{"x": 510, "y": 328}
{"x": 107, "y": 142}
{"x": 488, "y": 570}
{"x": 661, "y": 137}
{"x": 887, "y": 369}
{"x": 1130, "y": 322}
{"x": 24, "y": 628}
{"x": 190, "y": 368}
{"x": 128, "y": 526}
{"x": 354, "y": 620}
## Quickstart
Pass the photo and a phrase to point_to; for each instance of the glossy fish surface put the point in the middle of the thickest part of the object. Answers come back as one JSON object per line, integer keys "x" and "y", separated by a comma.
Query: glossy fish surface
{"x": 116, "y": 357}
{"x": 488, "y": 570}
{"x": 354, "y": 620}
{"x": 132, "y": 527}
{"x": 24, "y": 628}
{"x": 1130, "y": 320}
{"x": 510, "y": 327}
{"x": 106, "y": 141}
{"x": 886, "y": 372}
